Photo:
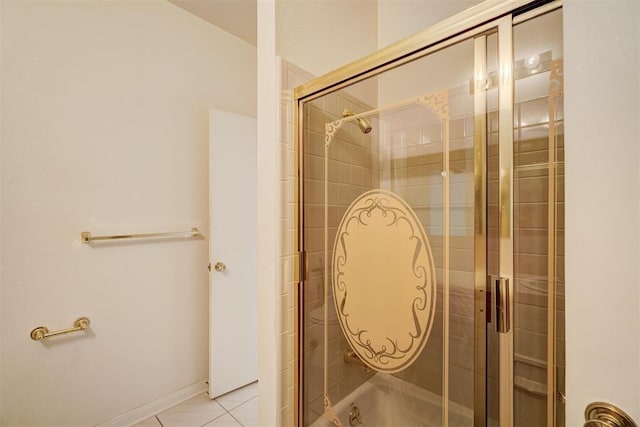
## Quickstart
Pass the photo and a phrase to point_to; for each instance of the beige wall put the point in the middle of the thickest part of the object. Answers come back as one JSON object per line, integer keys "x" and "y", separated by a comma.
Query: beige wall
{"x": 320, "y": 36}
{"x": 398, "y": 19}
{"x": 270, "y": 230}
{"x": 602, "y": 92}
{"x": 105, "y": 128}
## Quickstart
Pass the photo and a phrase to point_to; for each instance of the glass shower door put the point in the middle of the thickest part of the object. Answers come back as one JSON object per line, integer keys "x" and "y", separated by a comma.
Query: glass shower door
{"x": 432, "y": 219}
{"x": 395, "y": 237}
{"x": 538, "y": 376}
{"x": 526, "y": 359}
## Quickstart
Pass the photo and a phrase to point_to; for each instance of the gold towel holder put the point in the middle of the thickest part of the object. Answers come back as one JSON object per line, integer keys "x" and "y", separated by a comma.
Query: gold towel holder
{"x": 86, "y": 236}
{"x": 42, "y": 332}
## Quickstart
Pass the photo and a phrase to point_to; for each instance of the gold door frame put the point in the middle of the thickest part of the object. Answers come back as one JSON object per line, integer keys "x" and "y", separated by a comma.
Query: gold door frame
{"x": 505, "y": 202}
{"x": 489, "y": 16}
{"x": 480, "y": 227}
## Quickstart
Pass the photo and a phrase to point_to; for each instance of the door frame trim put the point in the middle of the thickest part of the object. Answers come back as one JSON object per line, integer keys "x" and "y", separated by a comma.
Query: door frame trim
{"x": 480, "y": 227}
{"x": 505, "y": 203}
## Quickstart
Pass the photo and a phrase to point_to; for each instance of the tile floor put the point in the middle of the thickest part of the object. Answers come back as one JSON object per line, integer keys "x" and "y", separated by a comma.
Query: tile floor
{"x": 238, "y": 408}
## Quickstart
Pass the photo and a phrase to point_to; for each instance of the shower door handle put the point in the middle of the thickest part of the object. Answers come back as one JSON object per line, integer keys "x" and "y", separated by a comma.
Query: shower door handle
{"x": 503, "y": 305}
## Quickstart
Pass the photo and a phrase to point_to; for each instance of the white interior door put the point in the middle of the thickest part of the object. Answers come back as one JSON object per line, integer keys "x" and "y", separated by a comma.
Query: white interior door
{"x": 233, "y": 313}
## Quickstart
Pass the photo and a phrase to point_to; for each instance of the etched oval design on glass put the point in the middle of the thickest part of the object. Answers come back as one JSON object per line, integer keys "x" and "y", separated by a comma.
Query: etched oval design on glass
{"x": 383, "y": 281}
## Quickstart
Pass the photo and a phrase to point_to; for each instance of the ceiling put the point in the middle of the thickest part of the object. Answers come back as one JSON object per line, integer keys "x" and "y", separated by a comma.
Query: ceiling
{"x": 238, "y": 17}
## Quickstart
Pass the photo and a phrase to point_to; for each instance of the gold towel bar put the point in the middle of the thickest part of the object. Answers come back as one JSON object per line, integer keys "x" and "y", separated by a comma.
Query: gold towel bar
{"x": 86, "y": 236}
{"x": 42, "y": 332}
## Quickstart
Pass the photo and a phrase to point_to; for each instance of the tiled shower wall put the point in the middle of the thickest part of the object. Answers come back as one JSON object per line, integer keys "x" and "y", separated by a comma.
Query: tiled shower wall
{"x": 290, "y": 77}
{"x": 412, "y": 165}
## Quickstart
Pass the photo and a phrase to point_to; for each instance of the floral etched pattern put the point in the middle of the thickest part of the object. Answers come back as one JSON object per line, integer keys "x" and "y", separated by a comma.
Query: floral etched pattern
{"x": 383, "y": 281}
{"x": 330, "y": 129}
{"x": 438, "y": 102}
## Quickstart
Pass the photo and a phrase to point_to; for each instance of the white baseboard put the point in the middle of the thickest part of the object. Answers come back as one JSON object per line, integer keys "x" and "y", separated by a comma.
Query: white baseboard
{"x": 155, "y": 407}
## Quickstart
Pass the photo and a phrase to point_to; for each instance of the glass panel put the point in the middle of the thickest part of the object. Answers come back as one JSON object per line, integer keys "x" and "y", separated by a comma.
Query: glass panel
{"x": 389, "y": 230}
{"x": 538, "y": 214}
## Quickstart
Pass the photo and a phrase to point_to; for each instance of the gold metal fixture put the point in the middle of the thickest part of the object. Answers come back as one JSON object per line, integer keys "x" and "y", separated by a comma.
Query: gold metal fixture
{"x": 602, "y": 414}
{"x": 42, "y": 332}
{"x": 354, "y": 415}
{"x": 301, "y": 267}
{"x": 480, "y": 227}
{"x": 505, "y": 201}
{"x": 363, "y": 124}
{"x": 350, "y": 357}
{"x": 219, "y": 267}
{"x": 86, "y": 236}
{"x": 556, "y": 91}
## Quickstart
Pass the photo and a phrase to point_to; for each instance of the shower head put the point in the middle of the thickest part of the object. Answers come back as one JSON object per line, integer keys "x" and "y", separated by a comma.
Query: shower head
{"x": 363, "y": 124}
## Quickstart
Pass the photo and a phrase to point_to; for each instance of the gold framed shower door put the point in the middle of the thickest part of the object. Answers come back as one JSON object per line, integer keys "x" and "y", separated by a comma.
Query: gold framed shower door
{"x": 494, "y": 16}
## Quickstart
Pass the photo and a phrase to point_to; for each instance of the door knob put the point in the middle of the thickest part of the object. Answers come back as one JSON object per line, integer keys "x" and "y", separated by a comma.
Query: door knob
{"x": 219, "y": 267}
{"x": 601, "y": 414}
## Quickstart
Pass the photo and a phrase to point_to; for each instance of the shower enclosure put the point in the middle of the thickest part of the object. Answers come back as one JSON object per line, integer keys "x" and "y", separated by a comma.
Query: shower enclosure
{"x": 430, "y": 228}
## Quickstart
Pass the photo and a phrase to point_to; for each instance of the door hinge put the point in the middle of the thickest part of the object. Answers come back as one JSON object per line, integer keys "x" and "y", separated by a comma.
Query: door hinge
{"x": 300, "y": 267}
{"x": 488, "y": 301}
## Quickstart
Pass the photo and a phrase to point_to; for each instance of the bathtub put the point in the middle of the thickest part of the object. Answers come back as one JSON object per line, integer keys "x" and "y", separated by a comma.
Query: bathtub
{"x": 387, "y": 401}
